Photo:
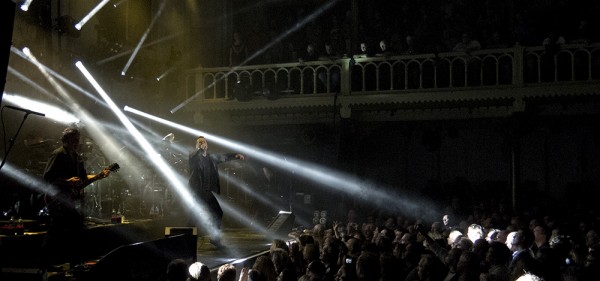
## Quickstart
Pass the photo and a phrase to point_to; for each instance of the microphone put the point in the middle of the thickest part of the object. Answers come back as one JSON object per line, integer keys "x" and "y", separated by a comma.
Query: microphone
{"x": 25, "y": 110}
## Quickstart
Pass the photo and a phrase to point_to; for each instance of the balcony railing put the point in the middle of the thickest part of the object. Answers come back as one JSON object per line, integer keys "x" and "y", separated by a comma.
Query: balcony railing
{"x": 510, "y": 67}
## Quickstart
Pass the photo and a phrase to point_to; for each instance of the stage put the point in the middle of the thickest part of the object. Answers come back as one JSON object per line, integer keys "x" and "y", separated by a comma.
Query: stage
{"x": 136, "y": 249}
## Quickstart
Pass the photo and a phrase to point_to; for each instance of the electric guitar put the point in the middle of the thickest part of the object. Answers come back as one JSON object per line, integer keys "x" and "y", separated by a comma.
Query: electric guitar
{"x": 71, "y": 191}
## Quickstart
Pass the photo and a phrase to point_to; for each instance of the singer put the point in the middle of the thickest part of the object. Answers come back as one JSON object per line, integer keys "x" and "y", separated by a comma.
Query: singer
{"x": 204, "y": 180}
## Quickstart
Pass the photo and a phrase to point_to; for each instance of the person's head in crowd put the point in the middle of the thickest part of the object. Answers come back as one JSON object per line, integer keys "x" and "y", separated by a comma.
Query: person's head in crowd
{"x": 354, "y": 247}
{"x": 226, "y": 272}
{"x": 265, "y": 266}
{"x": 463, "y": 226}
{"x": 563, "y": 246}
{"x": 492, "y": 235}
{"x": 436, "y": 230}
{"x": 498, "y": 254}
{"x": 316, "y": 270}
{"x": 368, "y": 267}
{"x": 475, "y": 232}
{"x": 390, "y": 223}
{"x": 177, "y": 270}
{"x": 306, "y": 239}
{"x": 452, "y": 258}
{"x": 199, "y": 272}
{"x": 591, "y": 238}
{"x": 347, "y": 272}
{"x": 454, "y": 236}
{"x": 464, "y": 243}
{"x": 287, "y": 275}
{"x": 533, "y": 223}
{"x": 592, "y": 260}
{"x": 429, "y": 268}
{"x": 529, "y": 277}
{"x": 412, "y": 253}
{"x": 398, "y": 251}
{"x": 525, "y": 238}
{"x": 512, "y": 241}
{"x": 279, "y": 244}
{"x": 255, "y": 275}
{"x": 502, "y": 235}
{"x": 310, "y": 252}
{"x": 280, "y": 258}
{"x": 447, "y": 220}
{"x": 541, "y": 235}
{"x": 480, "y": 247}
{"x": 515, "y": 222}
{"x": 468, "y": 266}
{"x": 328, "y": 254}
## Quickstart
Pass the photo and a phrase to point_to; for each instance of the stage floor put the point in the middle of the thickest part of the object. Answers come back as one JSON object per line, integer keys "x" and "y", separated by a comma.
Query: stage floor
{"x": 240, "y": 244}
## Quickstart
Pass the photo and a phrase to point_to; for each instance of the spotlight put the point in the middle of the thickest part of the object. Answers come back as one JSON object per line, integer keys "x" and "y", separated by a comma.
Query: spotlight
{"x": 25, "y": 5}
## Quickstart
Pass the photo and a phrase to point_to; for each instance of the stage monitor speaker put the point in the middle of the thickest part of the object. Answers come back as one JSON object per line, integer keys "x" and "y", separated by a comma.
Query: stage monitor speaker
{"x": 282, "y": 224}
{"x": 177, "y": 230}
{"x": 144, "y": 260}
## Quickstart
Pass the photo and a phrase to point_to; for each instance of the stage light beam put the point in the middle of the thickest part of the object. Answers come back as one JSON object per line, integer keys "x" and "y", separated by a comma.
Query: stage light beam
{"x": 154, "y": 157}
{"x": 141, "y": 42}
{"x": 50, "y": 111}
{"x": 95, "y": 10}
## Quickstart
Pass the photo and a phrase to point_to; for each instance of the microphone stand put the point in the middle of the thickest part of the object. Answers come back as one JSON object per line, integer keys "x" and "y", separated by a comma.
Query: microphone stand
{"x": 11, "y": 142}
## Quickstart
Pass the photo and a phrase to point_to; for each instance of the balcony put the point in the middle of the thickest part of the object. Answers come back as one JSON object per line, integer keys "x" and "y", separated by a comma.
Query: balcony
{"x": 485, "y": 83}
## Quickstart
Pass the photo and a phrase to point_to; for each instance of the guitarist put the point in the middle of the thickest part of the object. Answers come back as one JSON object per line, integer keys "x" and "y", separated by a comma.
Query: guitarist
{"x": 67, "y": 177}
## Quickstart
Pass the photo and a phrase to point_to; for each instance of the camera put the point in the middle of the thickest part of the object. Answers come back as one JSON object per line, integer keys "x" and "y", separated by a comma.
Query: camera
{"x": 348, "y": 260}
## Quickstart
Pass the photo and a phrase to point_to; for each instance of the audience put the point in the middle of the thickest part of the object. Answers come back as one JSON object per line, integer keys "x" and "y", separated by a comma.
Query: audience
{"x": 385, "y": 247}
{"x": 199, "y": 272}
{"x": 226, "y": 272}
{"x": 177, "y": 270}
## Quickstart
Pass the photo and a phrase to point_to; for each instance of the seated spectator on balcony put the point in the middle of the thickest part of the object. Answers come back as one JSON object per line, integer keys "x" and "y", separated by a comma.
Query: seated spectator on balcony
{"x": 365, "y": 51}
{"x": 553, "y": 42}
{"x": 384, "y": 50}
{"x": 329, "y": 54}
{"x": 310, "y": 55}
{"x": 549, "y": 65}
{"x": 308, "y": 83}
{"x": 467, "y": 44}
{"x": 583, "y": 34}
{"x": 334, "y": 72}
{"x": 238, "y": 52}
{"x": 495, "y": 41}
{"x": 412, "y": 47}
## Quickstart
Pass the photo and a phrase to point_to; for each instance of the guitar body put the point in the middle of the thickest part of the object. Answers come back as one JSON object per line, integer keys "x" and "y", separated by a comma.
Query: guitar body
{"x": 69, "y": 194}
